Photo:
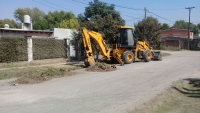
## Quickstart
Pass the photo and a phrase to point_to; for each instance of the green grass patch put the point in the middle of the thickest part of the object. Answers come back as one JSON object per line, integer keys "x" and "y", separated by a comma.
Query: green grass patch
{"x": 165, "y": 54}
{"x": 171, "y": 48}
{"x": 182, "y": 97}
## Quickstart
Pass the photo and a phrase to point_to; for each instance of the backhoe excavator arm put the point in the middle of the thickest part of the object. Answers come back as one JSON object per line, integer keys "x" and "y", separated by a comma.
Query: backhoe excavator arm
{"x": 105, "y": 51}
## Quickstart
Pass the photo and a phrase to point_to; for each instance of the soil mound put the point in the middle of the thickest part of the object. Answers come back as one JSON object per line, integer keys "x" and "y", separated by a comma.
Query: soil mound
{"x": 99, "y": 67}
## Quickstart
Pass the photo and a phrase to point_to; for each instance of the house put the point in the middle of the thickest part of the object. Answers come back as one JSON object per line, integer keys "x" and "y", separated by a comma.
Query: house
{"x": 176, "y": 37}
{"x": 27, "y": 31}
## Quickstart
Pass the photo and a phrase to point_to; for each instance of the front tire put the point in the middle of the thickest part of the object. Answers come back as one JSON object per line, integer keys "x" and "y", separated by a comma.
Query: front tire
{"x": 147, "y": 55}
{"x": 128, "y": 57}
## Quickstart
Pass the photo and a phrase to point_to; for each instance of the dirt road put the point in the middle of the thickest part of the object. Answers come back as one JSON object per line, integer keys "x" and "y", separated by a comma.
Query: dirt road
{"x": 101, "y": 92}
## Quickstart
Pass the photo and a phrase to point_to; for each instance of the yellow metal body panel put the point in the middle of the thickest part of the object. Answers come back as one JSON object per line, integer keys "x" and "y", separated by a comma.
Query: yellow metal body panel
{"x": 105, "y": 51}
{"x": 117, "y": 51}
{"x": 126, "y": 27}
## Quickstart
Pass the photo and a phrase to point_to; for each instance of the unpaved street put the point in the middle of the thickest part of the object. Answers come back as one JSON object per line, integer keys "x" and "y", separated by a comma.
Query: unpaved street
{"x": 101, "y": 92}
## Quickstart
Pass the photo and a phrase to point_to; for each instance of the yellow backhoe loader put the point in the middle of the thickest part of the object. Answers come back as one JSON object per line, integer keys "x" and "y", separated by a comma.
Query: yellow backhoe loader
{"x": 126, "y": 50}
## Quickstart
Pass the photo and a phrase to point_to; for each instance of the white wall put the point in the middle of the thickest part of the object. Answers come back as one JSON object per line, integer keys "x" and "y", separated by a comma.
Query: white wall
{"x": 63, "y": 34}
{"x": 17, "y": 34}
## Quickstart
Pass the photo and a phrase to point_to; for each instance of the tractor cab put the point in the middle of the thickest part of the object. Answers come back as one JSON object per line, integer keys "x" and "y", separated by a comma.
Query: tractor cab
{"x": 126, "y": 38}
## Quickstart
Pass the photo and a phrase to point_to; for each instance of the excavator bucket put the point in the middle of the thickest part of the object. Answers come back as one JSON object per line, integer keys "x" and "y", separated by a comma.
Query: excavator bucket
{"x": 89, "y": 61}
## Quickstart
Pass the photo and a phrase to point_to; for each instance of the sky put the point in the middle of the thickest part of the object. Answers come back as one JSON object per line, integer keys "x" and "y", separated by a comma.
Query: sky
{"x": 132, "y": 11}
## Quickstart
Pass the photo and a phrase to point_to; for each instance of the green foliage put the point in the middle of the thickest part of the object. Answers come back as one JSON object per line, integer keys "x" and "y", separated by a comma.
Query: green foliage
{"x": 11, "y": 23}
{"x": 195, "y": 28}
{"x": 48, "y": 48}
{"x": 181, "y": 24}
{"x": 13, "y": 49}
{"x": 53, "y": 20}
{"x": 198, "y": 26}
{"x": 195, "y": 44}
{"x": 102, "y": 18}
{"x": 40, "y": 24}
{"x": 69, "y": 23}
{"x": 149, "y": 29}
{"x": 34, "y": 13}
{"x": 165, "y": 26}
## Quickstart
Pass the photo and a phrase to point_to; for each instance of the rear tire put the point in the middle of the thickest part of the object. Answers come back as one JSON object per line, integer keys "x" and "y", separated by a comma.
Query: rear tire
{"x": 128, "y": 57}
{"x": 147, "y": 55}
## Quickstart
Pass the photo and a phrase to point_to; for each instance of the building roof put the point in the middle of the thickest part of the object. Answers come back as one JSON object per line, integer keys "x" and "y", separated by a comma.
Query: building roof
{"x": 25, "y": 31}
{"x": 176, "y": 29}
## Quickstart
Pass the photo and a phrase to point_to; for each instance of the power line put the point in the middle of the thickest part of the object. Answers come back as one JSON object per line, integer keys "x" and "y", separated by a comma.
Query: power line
{"x": 69, "y": 3}
{"x": 161, "y": 17}
{"x": 136, "y": 18}
{"x": 112, "y": 4}
{"x": 60, "y": 6}
{"x": 44, "y": 4}
{"x": 79, "y": 2}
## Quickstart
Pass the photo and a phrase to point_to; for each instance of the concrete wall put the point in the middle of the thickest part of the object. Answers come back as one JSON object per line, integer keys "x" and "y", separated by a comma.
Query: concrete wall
{"x": 22, "y": 34}
{"x": 63, "y": 34}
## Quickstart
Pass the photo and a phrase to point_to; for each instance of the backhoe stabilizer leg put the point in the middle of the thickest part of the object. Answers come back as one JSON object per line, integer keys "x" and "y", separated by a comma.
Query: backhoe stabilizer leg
{"x": 120, "y": 61}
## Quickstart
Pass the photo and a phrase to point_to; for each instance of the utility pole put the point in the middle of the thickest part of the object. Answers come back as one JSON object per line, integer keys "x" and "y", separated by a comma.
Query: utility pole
{"x": 189, "y": 8}
{"x": 145, "y": 12}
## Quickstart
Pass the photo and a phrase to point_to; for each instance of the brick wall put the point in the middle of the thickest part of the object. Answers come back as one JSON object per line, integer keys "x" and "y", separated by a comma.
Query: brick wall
{"x": 182, "y": 33}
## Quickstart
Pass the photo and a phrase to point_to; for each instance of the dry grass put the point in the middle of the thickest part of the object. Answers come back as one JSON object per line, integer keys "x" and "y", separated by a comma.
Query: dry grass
{"x": 182, "y": 97}
{"x": 35, "y": 74}
{"x": 33, "y": 63}
{"x": 32, "y": 77}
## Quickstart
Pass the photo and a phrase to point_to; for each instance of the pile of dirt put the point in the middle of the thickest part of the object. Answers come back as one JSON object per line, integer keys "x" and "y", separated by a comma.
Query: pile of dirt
{"x": 44, "y": 76}
{"x": 99, "y": 67}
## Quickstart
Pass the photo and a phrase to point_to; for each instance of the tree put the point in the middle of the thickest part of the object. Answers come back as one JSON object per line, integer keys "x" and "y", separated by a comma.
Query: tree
{"x": 165, "y": 26}
{"x": 69, "y": 23}
{"x": 102, "y": 18}
{"x": 194, "y": 28}
{"x": 198, "y": 26}
{"x": 149, "y": 29}
{"x": 34, "y": 13}
{"x": 53, "y": 20}
{"x": 181, "y": 24}
{"x": 11, "y": 23}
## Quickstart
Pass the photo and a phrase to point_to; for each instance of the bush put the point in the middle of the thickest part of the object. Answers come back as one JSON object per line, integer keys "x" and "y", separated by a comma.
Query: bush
{"x": 48, "y": 48}
{"x": 13, "y": 49}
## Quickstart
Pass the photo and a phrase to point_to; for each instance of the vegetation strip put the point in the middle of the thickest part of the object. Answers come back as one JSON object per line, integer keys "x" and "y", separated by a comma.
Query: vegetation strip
{"x": 182, "y": 97}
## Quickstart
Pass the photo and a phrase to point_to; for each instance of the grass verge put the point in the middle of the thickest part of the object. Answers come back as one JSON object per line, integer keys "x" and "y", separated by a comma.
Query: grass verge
{"x": 165, "y": 54}
{"x": 182, "y": 97}
{"x": 33, "y": 63}
{"x": 35, "y": 75}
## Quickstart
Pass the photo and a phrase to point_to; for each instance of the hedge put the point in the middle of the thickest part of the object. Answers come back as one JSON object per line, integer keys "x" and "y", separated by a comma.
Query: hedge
{"x": 48, "y": 48}
{"x": 15, "y": 49}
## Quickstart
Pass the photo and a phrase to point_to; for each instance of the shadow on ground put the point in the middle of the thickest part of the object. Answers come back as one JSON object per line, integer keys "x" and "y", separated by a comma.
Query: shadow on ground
{"x": 191, "y": 89}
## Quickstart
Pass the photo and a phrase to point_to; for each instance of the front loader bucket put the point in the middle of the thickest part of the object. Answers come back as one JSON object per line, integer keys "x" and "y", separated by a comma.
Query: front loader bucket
{"x": 157, "y": 56}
